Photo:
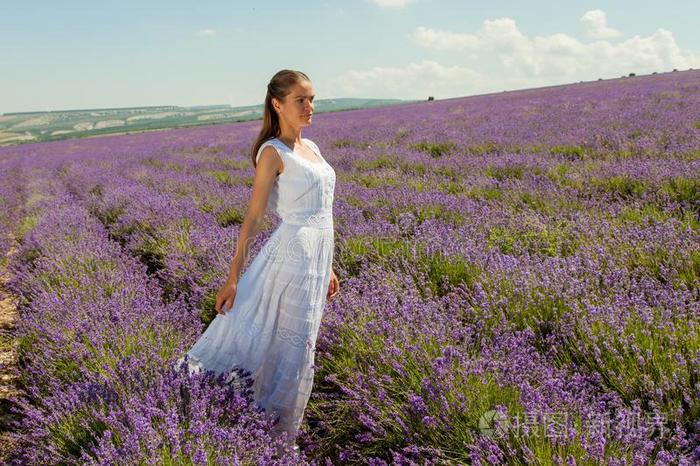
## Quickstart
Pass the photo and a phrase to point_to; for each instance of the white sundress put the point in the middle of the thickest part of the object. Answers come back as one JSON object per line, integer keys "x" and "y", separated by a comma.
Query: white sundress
{"x": 272, "y": 326}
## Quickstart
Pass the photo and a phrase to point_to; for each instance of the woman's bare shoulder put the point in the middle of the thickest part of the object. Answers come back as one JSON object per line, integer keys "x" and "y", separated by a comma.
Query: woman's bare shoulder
{"x": 269, "y": 155}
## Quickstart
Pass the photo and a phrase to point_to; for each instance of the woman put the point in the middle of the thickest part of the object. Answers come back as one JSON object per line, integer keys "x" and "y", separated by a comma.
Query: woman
{"x": 268, "y": 318}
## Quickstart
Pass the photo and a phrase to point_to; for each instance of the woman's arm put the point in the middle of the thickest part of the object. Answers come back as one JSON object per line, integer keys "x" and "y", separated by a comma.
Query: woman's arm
{"x": 268, "y": 166}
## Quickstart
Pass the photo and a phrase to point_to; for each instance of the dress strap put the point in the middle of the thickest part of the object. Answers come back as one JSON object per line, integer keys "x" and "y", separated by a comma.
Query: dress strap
{"x": 312, "y": 145}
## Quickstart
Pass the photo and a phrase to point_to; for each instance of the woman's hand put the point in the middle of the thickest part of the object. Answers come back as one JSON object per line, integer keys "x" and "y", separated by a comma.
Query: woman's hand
{"x": 333, "y": 286}
{"x": 226, "y": 295}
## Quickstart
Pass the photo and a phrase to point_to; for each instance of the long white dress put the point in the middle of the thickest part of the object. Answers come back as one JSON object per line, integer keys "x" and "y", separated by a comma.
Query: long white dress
{"x": 272, "y": 326}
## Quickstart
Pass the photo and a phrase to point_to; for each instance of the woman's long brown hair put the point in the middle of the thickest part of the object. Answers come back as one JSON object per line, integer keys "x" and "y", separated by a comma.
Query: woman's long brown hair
{"x": 279, "y": 87}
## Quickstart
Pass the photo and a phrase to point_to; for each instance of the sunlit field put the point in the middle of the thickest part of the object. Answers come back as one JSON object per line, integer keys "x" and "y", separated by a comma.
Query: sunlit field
{"x": 519, "y": 275}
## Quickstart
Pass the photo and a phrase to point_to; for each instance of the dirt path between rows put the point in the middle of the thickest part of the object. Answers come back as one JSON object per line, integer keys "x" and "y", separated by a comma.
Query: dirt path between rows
{"x": 8, "y": 360}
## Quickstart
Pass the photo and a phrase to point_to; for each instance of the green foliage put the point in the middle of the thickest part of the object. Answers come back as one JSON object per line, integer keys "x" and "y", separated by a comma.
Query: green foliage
{"x": 552, "y": 240}
{"x": 154, "y": 162}
{"x": 652, "y": 359}
{"x": 350, "y": 254}
{"x": 378, "y": 163}
{"x": 208, "y": 308}
{"x": 445, "y": 273}
{"x": 26, "y": 224}
{"x": 65, "y": 369}
{"x": 559, "y": 175}
{"x": 651, "y": 213}
{"x": 690, "y": 156}
{"x": 234, "y": 164}
{"x": 355, "y": 201}
{"x": 400, "y": 134}
{"x": 689, "y": 219}
{"x": 688, "y": 271}
{"x": 28, "y": 256}
{"x": 648, "y": 213}
{"x": 151, "y": 251}
{"x": 506, "y": 172}
{"x": 109, "y": 215}
{"x": 418, "y": 185}
{"x": 427, "y": 211}
{"x": 486, "y": 194}
{"x": 161, "y": 164}
{"x": 570, "y": 152}
{"x": 181, "y": 237}
{"x": 78, "y": 429}
{"x": 635, "y": 134}
{"x": 345, "y": 143}
{"x": 213, "y": 149}
{"x": 442, "y": 273}
{"x": 223, "y": 176}
{"x": 77, "y": 432}
{"x": 528, "y": 200}
{"x": 367, "y": 207}
{"x": 451, "y": 187}
{"x": 207, "y": 207}
{"x": 181, "y": 459}
{"x": 386, "y": 399}
{"x": 536, "y": 308}
{"x": 230, "y": 216}
{"x": 448, "y": 172}
{"x": 621, "y": 185}
{"x": 76, "y": 271}
{"x": 375, "y": 181}
{"x": 540, "y": 447}
{"x": 96, "y": 190}
{"x": 503, "y": 238}
{"x": 26, "y": 343}
{"x": 413, "y": 168}
{"x": 682, "y": 189}
{"x": 434, "y": 149}
{"x": 207, "y": 305}
{"x": 359, "y": 367}
{"x": 138, "y": 339}
{"x": 660, "y": 263}
{"x": 353, "y": 250}
{"x": 483, "y": 148}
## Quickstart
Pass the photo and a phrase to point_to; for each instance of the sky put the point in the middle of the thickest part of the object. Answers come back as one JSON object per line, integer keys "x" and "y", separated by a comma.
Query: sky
{"x": 70, "y": 54}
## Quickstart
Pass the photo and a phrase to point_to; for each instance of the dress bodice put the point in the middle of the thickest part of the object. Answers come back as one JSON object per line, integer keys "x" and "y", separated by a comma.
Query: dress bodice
{"x": 303, "y": 193}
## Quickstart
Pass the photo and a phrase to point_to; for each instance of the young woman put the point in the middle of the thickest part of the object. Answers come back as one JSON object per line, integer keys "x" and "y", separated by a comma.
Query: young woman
{"x": 268, "y": 318}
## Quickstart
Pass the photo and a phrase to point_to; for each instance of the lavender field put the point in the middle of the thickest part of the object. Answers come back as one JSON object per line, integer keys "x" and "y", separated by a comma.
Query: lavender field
{"x": 520, "y": 284}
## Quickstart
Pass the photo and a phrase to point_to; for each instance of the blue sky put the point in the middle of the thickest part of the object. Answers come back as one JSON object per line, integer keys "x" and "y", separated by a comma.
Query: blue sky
{"x": 80, "y": 54}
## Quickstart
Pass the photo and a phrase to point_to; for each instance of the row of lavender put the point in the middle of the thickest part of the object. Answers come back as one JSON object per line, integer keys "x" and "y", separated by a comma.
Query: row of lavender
{"x": 96, "y": 345}
{"x": 527, "y": 261}
{"x": 13, "y": 194}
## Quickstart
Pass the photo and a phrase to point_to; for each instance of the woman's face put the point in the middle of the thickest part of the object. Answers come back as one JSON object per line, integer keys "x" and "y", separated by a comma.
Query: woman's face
{"x": 298, "y": 105}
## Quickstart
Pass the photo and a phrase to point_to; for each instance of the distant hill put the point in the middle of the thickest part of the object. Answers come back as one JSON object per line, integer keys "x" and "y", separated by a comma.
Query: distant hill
{"x": 23, "y": 127}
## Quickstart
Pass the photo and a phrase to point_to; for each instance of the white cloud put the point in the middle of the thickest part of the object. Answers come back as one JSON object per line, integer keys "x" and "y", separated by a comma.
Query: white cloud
{"x": 499, "y": 34}
{"x": 207, "y": 32}
{"x": 595, "y": 23}
{"x": 499, "y": 56}
{"x": 559, "y": 55}
{"x": 443, "y": 40}
{"x": 391, "y": 3}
